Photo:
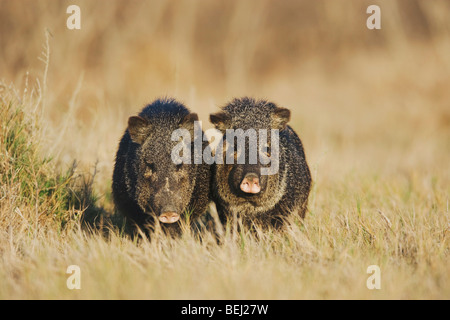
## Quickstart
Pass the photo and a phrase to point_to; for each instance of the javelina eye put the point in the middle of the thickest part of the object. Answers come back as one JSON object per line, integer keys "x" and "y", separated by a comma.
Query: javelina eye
{"x": 149, "y": 170}
{"x": 266, "y": 150}
{"x": 179, "y": 166}
{"x": 150, "y": 166}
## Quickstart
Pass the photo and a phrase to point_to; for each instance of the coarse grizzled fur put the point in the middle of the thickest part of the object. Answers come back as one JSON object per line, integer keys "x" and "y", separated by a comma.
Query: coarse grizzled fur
{"x": 281, "y": 194}
{"x": 146, "y": 182}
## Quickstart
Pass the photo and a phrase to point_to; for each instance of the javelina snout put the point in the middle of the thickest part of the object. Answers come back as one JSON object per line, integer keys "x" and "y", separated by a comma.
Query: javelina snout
{"x": 250, "y": 184}
{"x": 147, "y": 184}
{"x": 247, "y": 180}
{"x": 169, "y": 217}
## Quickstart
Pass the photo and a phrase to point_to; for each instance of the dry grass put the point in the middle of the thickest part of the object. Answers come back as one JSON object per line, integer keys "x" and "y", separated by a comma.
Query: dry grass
{"x": 372, "y": 109}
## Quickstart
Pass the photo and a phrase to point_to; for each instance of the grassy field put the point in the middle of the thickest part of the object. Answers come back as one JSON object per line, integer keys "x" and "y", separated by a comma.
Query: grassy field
{"x": 372, "y": 108}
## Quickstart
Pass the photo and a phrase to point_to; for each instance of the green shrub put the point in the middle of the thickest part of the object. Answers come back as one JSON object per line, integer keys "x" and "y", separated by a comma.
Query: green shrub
{"x": 31, "y": 184}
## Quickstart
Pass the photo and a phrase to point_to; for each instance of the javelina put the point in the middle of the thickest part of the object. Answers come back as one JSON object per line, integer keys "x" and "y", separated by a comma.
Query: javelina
{"x": 147, "y": 184}
{"x": 241, "y": 189}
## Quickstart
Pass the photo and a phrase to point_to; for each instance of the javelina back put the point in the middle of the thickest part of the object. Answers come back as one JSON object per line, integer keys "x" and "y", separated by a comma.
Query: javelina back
{"x": 242, "y": 190}
{"x": 147, "y": 184}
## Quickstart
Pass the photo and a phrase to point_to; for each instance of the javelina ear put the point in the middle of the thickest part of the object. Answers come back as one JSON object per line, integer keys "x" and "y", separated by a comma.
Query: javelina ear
{"x": 188, "y": 121}
{"x": 221, "y": 120}
{"x": 138, "y": 128}
{"x": 281, "y": 117}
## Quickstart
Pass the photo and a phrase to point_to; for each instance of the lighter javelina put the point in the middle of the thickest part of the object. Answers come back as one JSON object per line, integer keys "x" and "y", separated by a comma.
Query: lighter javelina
{"x": 241, "y": 190}
{"x": 147, "y": 184}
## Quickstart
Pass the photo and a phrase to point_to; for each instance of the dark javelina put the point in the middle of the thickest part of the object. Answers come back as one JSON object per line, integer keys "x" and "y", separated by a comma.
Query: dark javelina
{"x": 146, "y": 182}
{"x": 239, "y": 189}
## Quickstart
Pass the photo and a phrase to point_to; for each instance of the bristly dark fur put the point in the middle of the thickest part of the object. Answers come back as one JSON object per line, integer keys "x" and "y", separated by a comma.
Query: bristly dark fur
{"x": 282, "y": 194}
{"x": 145, "y": 180}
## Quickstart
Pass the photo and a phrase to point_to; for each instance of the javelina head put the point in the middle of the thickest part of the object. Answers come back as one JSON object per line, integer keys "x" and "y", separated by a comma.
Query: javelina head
{"x": 247, "y": 127}
{"x": 162, "y": 188}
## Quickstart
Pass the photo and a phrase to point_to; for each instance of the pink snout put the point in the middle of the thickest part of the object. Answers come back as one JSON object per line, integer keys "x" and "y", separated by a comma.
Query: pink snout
{"x": 169, "y": 217}
{"x": 250, "y": 184}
